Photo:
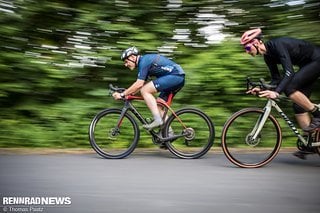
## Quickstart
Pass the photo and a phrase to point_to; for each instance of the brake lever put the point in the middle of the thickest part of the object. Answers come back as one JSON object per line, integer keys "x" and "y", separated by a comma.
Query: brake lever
{"x": 251, "y": 85}
{"x": 267, "y": 86}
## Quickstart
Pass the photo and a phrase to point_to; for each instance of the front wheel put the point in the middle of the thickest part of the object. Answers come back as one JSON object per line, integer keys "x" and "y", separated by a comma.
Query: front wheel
{"x": 196, "y": 132}
{"x": 243, "y": 145}
{"x": 113, "y": 137}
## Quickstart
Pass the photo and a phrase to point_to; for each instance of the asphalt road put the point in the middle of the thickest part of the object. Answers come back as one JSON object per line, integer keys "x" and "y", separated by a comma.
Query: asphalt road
{"x": 152, "y": 182}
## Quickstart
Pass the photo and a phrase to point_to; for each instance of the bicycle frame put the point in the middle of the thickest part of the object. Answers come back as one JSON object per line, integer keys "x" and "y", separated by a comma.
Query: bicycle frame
{"x": 265, "y": 130}
{"x": 262, "y": 119}
{"x": 128, "y": 106}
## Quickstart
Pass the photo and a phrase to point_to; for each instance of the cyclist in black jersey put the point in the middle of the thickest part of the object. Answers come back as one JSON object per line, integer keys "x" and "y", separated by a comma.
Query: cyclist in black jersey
{"x": 288, "y": 52}
{"x": 170, "y": 78}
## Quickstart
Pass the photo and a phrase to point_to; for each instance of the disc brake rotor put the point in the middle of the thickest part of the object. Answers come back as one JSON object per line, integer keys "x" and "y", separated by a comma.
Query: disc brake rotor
{"x": 189, "y": 133}
{"x": 113, "y": 133}
{"x": 253, "y": 142}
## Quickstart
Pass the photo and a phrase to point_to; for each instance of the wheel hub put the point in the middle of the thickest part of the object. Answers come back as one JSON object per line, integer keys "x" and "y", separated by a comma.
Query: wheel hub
{"x": 189, "y": 134}
{"x": 113, "y": 133}
{"x": 253, "y": 142}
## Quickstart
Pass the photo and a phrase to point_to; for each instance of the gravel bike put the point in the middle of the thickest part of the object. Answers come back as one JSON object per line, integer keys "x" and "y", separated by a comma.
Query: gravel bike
{"x": 187, "y": 133}
{"x": 252, "y": 137}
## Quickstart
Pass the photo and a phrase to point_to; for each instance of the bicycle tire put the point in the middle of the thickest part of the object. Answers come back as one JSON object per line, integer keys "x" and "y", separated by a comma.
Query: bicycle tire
{"x": 200, "y": 139}
{"x": 105, "y": 138}
{"x": 236, "y": 144}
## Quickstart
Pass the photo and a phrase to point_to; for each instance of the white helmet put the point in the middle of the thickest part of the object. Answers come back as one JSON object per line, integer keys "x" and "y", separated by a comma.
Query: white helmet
{"x": 130, "y": 51}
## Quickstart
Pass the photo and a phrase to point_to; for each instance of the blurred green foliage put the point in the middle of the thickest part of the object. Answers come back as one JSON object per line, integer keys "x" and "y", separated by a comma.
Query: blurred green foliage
{"x": 57, "y": 58}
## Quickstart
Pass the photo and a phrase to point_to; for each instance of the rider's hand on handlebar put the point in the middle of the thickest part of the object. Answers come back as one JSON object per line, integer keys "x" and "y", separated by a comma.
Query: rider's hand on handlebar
{"x": 116, "y": 96}
{"x": 269, "y": 94}
{"x": 254, "y": 91}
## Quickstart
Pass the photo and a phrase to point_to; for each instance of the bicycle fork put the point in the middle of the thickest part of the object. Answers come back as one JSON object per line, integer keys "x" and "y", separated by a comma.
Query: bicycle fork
{"x": 254, "y": 136}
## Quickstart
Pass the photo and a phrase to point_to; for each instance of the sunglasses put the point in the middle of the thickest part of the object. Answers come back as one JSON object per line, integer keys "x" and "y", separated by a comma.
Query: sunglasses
{"x": 248, "y": 47}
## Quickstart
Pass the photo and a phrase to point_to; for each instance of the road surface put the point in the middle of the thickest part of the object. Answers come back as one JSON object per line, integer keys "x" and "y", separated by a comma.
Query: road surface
{"x": 154, "y": 182}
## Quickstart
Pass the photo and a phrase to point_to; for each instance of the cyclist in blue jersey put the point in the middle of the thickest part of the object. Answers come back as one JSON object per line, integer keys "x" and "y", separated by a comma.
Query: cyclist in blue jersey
{"x": 298, "y": 85}
{"x": 170, "y": 78}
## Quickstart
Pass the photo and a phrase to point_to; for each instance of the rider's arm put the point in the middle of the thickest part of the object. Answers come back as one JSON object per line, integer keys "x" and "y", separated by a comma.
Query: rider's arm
{"x": 274, "y": 71}
{"x": 135, "y": 87}
{"x": 288, "y": 69}
{"x": 280, "y": 53}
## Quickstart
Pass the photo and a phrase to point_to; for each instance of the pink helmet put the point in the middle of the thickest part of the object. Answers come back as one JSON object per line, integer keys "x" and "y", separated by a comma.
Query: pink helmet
{"x": 250, "y": 35}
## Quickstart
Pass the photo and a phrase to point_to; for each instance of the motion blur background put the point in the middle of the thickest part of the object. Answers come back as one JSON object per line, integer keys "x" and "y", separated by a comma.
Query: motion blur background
{"x": 58, "y": 57}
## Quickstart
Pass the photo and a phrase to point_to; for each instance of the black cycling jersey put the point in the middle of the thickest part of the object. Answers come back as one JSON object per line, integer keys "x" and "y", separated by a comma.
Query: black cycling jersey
{"x": 288, "y": 52}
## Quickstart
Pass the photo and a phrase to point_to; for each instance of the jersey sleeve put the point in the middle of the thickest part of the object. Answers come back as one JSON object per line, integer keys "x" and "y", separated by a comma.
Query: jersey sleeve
{"x": 143, "y": 74}
{"x": 143, "y": 69}
{"x": 287, "y": 67}
{"x": 274, "y": 71}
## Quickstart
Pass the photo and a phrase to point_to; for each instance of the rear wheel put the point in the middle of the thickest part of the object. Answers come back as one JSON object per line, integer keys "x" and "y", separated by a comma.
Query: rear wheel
{"x": 196, "y": 132}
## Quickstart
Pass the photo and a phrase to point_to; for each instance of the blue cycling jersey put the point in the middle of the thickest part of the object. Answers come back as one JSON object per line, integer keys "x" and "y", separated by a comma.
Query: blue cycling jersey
{"x": 157, "y": 65}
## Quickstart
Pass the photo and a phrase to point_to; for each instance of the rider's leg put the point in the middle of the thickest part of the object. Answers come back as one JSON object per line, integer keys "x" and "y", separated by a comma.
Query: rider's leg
{"x": 164, "y": 84}
{"x": 163, "y": 96}
{"x": 302, "y": 100}
{"x": 300, "y": 89}
{"x": 303, "y": 119}
{"x": 302, "y": 115}
{"x": 147, "y": 92}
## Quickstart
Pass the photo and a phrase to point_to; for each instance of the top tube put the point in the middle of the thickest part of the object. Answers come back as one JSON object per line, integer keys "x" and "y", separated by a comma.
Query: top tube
{"x": 136, "y": 97}
{"x": 159, "y": 100}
